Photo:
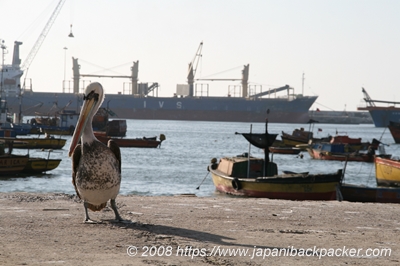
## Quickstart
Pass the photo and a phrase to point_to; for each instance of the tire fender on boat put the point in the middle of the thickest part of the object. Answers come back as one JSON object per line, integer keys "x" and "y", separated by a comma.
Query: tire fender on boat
{"x": 236, "y": 184}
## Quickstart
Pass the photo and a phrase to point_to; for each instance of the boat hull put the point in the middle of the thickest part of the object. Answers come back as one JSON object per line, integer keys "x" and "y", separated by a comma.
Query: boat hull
{"x": 36, "y": 143}
{"x": 356, "y": 193}
{"x": 395, "y": 131}
{"x": 291, "y": 187}
{"x": 40, "y": 165}
{"x": 387, "y": 172}
{"x": 12, "y": 164}
{"x": 232, "y": 109}
{"x": 131, "y": 143}
{"x": 350, "y": 157}
{"x": 284, "y": 150}
{"x": 383, "y": 115}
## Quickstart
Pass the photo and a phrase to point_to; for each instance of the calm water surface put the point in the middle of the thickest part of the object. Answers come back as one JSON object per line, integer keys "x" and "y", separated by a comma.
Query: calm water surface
{"x": 181, "y": 163}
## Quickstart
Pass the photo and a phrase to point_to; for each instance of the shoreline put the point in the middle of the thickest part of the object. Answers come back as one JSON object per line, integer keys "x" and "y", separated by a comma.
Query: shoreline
{"x": 48, "y": 228}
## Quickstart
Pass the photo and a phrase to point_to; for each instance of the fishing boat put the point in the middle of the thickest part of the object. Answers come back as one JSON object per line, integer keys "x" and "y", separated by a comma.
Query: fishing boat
{"x": 40, "y": 165}
{"x": 58, "y": 131}
{"x": 359, "y": 193}
{"x": 395, "y": 131}
{"x": 230, "y": 176}
{"x": 354, "y": 144}
{"x": 339, "y": 152}
{"x": 387, "y": 172}
{"x": 9, "y": 133}
{"x": 144, "y": 142}
{"x": 256, "y": 177}
{"x": 284, "y": 150}
{"x": 63, "y": 122}
{"x": 298, "y": 136}
{"x": 11, "y": 164}
{"x": 112, "y": 128}
{"x": 301, "y": 137}
{"x": 37, "y": 143}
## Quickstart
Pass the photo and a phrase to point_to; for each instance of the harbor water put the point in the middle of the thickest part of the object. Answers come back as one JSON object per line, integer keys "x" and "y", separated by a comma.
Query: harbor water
{"x": 180, "y": 164}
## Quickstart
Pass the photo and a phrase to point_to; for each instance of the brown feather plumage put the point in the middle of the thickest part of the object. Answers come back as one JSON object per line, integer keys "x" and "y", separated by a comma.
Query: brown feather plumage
{"x": 96, "y": 208}
{"x": 76, "y": 157}
{"x": 115, "y": 149}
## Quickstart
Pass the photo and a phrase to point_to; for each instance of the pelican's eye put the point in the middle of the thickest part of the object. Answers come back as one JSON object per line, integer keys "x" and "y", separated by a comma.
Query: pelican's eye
{"x": 91, "y": 95}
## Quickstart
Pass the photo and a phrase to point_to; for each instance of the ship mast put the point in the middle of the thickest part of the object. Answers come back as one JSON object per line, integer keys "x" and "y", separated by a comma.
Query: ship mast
{"x": 3, "y": 47}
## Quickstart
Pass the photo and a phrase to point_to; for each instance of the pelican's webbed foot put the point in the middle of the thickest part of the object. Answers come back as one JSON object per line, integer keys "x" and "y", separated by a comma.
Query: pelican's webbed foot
{"x": 118, "y": 218}
{"x": 87, "y": 219}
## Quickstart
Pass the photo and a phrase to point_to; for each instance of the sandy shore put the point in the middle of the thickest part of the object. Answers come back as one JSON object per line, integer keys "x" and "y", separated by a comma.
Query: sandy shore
{"x": 48, "y": 229}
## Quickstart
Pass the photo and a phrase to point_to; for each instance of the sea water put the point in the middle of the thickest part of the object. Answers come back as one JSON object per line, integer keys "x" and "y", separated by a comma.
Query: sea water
{"x": 180, "y": 164}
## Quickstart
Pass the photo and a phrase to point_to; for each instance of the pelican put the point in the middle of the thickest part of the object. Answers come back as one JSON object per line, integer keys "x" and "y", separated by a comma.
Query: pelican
{"x": 96, "y": 168}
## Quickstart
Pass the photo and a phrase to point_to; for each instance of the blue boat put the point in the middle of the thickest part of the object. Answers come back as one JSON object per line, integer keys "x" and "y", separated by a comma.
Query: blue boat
{"x": 381, "y": 115}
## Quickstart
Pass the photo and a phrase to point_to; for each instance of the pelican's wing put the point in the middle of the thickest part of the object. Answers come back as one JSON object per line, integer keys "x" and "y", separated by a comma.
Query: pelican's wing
{"x": 76, "y": 157}
{"x": 115, "y": 149}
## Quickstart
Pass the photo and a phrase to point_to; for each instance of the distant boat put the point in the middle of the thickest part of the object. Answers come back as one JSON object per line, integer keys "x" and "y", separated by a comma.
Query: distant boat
{"x": 144, "y": 142}
{"x": 300, "y": 137}
{"x": 63, "y": 123}
{"x": 395, "y": 131}
{"x": 357, "y": 193}
{"x": 387, "y": 172}
{"x": 339, "y": 152}
{"x": 36, "y": 143}
{"x": 284, "y": 150}
{"x": 381, "y": 115}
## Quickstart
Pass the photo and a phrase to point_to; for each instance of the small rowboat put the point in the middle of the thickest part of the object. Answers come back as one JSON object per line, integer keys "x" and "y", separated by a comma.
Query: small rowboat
{"x": 285, "y": 150}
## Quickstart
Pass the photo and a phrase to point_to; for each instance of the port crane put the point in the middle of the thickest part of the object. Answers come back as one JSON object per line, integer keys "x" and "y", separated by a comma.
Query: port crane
{"x": 193, "y": 68}
{"x": 371, "y": 103}
{"x": 42, "y": 36}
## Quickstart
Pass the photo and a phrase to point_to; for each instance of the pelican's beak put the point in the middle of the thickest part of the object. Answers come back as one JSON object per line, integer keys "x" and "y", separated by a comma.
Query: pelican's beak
{"x": 89, "y": 102}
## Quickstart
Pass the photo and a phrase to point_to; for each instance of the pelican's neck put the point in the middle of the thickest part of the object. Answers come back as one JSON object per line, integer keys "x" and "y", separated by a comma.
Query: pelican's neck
{"x": 88, "y": 135}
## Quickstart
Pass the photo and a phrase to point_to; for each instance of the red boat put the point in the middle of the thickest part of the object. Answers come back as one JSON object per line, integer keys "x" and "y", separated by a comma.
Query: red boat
{"x": 131, "y": 143}
{"x": 395, "y": 131}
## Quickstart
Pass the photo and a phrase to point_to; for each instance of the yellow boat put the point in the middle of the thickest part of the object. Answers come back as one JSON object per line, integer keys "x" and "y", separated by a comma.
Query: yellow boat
{"x": 36, "y": 143}
{"x": 40, "y": 165}
{"x": 387, "y": 172}
{"x": 11, "y": 164}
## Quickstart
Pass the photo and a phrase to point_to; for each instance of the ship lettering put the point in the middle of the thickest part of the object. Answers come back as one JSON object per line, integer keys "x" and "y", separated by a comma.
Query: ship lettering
{"x": 161, "y": 104}
{"x": 144, "y": 104}
{"x": 179, "y": 105}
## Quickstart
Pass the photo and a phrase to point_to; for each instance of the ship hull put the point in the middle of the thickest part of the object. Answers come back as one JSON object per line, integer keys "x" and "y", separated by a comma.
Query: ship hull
{"x": 383, "y": 115}
{"x": 230, "y": 109}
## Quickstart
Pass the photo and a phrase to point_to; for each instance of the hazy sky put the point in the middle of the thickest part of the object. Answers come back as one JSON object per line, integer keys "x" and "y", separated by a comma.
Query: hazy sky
{"x": 340, "y": 45}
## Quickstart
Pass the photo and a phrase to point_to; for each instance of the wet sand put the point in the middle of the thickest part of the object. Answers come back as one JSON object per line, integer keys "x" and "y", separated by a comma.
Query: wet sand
{"x": 48, "y": 229}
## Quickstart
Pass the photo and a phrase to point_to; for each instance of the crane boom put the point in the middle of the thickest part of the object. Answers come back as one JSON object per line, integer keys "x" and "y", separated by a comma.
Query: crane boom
{"x": 192, "y": 68}
{"x": 42, "y": 36}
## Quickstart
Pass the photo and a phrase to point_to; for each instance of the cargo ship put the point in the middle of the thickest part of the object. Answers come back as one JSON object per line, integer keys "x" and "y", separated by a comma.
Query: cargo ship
{"x": 141, "y": 101}
{"x": 381, "y": 115}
